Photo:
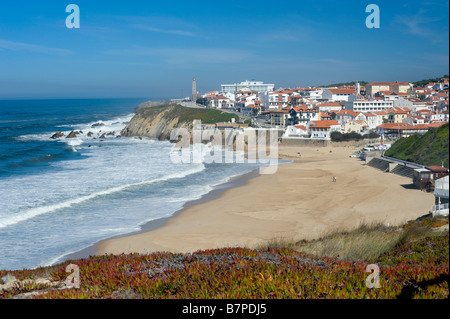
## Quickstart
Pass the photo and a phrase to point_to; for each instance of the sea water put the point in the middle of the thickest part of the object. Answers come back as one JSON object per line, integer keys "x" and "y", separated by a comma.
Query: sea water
{"x": 59, "y": 196}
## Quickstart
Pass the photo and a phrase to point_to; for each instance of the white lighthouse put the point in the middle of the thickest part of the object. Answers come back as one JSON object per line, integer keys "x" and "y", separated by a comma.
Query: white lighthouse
{"x": 194, "y": 90}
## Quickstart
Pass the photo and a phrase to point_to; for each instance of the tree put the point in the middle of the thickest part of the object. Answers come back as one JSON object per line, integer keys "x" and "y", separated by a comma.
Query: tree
{"x": 201, "y": 101}
{"x": 337, "y": 136}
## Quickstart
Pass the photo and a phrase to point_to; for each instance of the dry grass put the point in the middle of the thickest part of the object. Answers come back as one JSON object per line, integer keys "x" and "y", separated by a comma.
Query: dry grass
{"x": 366, "y": 242}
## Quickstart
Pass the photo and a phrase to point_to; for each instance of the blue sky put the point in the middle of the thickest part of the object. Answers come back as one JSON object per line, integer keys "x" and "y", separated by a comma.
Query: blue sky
{"x": 153, "y": 49}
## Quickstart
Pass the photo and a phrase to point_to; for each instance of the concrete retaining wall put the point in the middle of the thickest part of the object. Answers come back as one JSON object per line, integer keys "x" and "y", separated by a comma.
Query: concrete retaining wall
{"x": 304, "y": 142}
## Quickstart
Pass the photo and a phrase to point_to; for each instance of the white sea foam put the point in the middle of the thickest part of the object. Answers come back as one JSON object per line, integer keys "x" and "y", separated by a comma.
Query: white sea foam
{"x": 108, "y": 126}
{"x": 110, "y": 188}
{"x": 31, "y": 213}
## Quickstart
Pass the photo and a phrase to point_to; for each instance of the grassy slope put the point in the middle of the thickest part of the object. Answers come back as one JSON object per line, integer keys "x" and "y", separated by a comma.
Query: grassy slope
{"x": 430, "y": 149}
{"x": 184, "y": 114}
{"x": 416, "y": 265}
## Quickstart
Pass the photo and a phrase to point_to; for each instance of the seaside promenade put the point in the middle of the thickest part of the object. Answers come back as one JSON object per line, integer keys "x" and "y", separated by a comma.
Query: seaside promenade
{"x": 299, "y": 202}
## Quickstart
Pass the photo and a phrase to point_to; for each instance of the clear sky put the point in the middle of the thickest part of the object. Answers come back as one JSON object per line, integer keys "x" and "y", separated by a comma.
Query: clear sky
{"x": 153, "y": 49}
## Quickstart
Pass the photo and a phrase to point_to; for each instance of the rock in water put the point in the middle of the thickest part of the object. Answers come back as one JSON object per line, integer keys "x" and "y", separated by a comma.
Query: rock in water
{"x": 90, "y": 134}
{"x": 97, "y": 124}
{"x": 73, "y": 134}
{"x": 57, "y": 135}
{"x": 103, "y": 135}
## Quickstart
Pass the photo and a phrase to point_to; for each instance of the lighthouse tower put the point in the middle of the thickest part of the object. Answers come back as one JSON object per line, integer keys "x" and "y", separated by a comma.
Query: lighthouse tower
{"x": 194, "y": 90}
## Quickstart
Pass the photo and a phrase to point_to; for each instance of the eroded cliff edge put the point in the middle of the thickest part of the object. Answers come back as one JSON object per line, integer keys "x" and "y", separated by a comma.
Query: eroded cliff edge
{"x": 157, "y": 122}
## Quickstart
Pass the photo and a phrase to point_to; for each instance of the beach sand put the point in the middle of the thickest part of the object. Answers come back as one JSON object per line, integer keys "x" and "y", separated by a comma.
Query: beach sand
{"x": 299, "y": 202}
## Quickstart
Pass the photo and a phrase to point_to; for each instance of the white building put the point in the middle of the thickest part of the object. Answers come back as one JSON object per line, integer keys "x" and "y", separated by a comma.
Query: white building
{"x": 441, "y": 195}
{"x": 339, "y": 95}
{"x": 413, "y": 104}
{"x": 372, "y": 120}
{"x": 328, "y": 107}
{"x": 296, "y": 131}
{"x": 278, "y": 100}
{"x": 220, "y": 102}
{"x": 323, "y": 129}
{"x": 257, "y": 86}
{"x": 371, "y": 105}
{"x": 312, "y": 93}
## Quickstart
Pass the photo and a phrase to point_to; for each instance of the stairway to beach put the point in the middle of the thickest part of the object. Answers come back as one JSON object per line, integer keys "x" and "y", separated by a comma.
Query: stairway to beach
{"x": 379, "y": 164}
{"x": 403, "y": 170}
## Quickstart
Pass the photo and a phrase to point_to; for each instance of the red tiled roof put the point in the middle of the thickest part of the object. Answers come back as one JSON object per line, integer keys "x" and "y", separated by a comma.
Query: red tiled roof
{"x": 328, "y": 104}
{"x": 348, "y": 112}
{"x": 436, "y": 124}
{"x": 437, "y": 169}
{"x": 406, "y": 126}
{"x": 397, "y": 110}
{"x": 324, "y": 124}
{"x": 342, "y": 91}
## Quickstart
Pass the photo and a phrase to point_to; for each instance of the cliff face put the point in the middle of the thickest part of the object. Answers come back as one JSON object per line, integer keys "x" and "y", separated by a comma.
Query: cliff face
{"x": 156, "y": 122}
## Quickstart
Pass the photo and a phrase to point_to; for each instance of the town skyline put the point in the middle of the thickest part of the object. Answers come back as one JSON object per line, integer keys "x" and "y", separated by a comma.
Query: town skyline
{"x": 153, "y": 50}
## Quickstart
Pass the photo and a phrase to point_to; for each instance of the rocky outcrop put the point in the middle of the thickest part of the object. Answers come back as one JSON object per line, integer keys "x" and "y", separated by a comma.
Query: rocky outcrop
{"x": 73, "y": 134}
{"x": 158, "y": 122}
{"x": 57, "y": 135}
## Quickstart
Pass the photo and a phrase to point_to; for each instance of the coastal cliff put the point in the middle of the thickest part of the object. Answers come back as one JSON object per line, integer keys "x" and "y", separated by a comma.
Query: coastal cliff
{"x": 157, "y": 122}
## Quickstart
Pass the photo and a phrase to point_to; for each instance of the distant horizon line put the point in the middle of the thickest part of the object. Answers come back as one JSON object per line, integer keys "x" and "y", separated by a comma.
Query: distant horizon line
{"x": 81, "y": 98}
{"x": 169, "y": 98}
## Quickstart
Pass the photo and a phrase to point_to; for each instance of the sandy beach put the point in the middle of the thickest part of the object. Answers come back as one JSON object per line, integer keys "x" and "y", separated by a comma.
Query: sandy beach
{"x": 299, "y": 202}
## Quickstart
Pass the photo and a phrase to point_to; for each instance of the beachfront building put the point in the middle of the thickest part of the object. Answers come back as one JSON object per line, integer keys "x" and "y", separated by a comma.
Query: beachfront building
{"x": 397, "y": 87}
{"x": 398, "y": 130}
{"x": 323, "y": 129}
{"x": 441, "y": 195}
{"x": 296, "y": 131}
{"x": 357, "y": 126}
{"x": 257, "y": 86}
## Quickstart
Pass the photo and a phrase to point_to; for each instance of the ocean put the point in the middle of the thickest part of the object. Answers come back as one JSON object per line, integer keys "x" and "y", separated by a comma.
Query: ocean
{"x": 59, "y": 196}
